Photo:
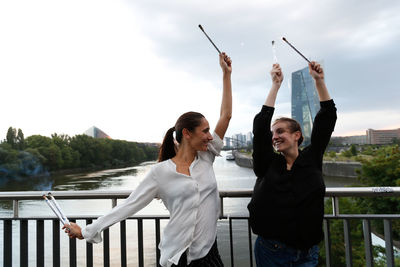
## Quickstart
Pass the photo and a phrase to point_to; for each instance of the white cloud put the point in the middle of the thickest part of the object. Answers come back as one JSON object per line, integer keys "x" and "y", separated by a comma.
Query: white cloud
{"x": 131, "y": 68}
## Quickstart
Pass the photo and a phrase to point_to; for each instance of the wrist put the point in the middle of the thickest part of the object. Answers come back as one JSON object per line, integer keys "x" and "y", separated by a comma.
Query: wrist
{"x": 226, "y": 73}
{"x": 319, "y": 81}
{"x": 276, "y": 85}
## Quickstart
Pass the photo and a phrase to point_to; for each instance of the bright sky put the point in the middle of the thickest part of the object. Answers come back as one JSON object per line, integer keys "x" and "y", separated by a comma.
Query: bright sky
{"x": 132, "y": 67}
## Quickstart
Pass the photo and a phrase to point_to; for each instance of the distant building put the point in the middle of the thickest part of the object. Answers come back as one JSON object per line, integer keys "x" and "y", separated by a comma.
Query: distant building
{"x": 249, "y": 138}
{"x": 381, "y": 137}
{"x": 228, "y": 142}
{"x": 96, "y": 133}
{"x": 349, "y": 140}
{"x": 305, "y": 101}
{"x": 238, "y": 140}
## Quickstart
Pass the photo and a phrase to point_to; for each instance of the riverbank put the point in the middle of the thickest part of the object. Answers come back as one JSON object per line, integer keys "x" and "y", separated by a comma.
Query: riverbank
{"x": 329, "y": 168}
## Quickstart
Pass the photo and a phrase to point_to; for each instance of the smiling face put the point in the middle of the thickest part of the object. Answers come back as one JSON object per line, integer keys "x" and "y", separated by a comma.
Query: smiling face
{"x": 200, "y": 136}
{"x": 283, "y": 139}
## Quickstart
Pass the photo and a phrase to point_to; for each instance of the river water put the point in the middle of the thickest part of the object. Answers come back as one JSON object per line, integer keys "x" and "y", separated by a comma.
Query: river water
{"x": 229, "y": 177}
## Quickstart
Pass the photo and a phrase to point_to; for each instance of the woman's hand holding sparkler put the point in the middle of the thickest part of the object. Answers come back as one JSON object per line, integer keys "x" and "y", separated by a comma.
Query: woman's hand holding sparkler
{"x": 226, "y": 63}
{"x": 318, "y": 75}
{"x": 73, "y": 230}
{"x": 277, "y": 78}
{"x": 316, "y": 71}
{"x": 276, "y": 74}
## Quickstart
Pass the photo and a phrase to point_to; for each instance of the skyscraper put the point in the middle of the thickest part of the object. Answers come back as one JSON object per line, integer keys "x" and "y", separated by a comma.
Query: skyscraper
{"x": 305, "y": 101}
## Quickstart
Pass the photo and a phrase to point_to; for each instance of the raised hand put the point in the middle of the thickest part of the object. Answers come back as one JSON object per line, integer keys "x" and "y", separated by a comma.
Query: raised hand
{"x": 316, "y": 70}
{"x": 225, "y": 62}
{"x": 276, "y": 74}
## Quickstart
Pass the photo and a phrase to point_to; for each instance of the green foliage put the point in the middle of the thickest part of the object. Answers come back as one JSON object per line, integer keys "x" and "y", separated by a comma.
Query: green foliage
{"x": 336, "y": 227}
{"x": 382, "y": 170}
{"x": 353, "y": 150}
{"x": 15, "y": 138}
{"x": 63, "y": 152}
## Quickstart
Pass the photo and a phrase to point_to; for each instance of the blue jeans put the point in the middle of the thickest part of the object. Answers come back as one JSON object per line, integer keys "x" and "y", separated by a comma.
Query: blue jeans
{"x": 271, "y": 253}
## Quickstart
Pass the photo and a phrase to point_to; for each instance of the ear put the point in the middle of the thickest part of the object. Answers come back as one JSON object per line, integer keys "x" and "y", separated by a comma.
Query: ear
{"x": 186, "y": 133}
{"x": 297, "y": 135}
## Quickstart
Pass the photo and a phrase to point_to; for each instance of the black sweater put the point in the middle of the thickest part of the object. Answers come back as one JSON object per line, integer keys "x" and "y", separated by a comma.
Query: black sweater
{"x": 288, "y": 205}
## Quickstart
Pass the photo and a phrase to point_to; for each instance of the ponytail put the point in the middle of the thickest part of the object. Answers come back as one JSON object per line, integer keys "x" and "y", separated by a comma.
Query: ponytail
{"x": 167, "y": 149}
{"x": 189, "y": 120}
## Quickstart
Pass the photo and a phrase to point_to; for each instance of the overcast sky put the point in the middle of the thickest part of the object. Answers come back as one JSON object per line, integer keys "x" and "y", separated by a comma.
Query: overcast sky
{"x": 132, "y": 67}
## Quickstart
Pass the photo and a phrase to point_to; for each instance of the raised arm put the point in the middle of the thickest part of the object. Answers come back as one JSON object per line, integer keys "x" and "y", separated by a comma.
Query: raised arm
{"x": 325, "y": 120}
{"x": 262, "y": 142}
{"x": 318, "y": 75}
{"x": 226, "y": 105}
{"x": 277, "y": 78}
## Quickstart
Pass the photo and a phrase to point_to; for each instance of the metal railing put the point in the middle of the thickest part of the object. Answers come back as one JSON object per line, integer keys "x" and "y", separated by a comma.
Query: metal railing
{"x": 333, "y": 193}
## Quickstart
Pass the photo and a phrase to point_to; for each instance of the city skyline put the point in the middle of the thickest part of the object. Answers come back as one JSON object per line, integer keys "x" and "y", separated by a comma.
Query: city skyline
{"x": 131, "y": 68}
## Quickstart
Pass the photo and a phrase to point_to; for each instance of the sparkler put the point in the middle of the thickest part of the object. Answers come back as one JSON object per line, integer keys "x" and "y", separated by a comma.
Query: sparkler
{"x": 52, "y": 203}
{"x": 284, "y": 39}
{"x": 201, "y": 28}
{"x": 274, "y": 59}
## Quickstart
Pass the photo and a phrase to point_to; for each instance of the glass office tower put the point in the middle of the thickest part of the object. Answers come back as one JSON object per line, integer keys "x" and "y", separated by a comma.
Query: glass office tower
{"x": 305, "y": 101}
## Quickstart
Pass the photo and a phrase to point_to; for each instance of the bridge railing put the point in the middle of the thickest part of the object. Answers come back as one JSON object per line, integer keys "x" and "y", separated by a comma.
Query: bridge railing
{"x": 15, "y": 223}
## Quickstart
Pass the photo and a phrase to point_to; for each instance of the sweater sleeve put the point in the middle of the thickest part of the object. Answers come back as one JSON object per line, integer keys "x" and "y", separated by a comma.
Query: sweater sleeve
{"x": 262, "y": 141}
{"x": 324, "y": 124}
{"x": 138, "y": 199}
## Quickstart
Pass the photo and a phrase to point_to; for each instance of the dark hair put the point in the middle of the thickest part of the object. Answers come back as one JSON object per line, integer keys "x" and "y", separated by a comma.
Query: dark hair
{"x": 293, "y": 125}
{"x": 189, "y": 120}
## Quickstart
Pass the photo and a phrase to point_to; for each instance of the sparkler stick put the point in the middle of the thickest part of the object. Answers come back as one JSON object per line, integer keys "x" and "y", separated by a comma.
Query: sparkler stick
{"x": 274, "y": 59}
{"x": 53, "y": 209}
{"x": 65, "y": 219}
{"x": 201, "y": 28}
{"x": 284, "y": 39}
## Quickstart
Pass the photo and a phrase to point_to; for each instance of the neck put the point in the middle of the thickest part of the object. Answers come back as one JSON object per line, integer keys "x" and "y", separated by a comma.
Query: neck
{"x": 185, "y": 154}
{"x": 291, "y": 156}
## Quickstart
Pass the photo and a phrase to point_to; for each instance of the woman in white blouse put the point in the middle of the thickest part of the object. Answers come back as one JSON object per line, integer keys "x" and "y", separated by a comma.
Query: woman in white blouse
{"x": 185, "y": 181}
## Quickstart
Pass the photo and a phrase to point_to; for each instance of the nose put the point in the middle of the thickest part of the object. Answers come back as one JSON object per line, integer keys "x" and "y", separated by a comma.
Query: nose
{"x": 210, "y": 137}
{"x": 274, "y": 135}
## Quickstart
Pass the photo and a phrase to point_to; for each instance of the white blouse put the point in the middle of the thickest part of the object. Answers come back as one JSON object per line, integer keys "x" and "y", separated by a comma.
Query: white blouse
{"x": 192, "y": 201}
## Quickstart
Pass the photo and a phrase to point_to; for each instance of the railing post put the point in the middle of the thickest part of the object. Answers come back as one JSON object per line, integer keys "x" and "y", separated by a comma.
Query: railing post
{"x": 113, "y": 202}
{"x": 39, "y": 243}
{"x": 387, "y": 224}
{"x": 89, "y": 249}
{"x": 158, "y": 254}
{"x": 7, "y": 249}
{"x": 369, "y": 260}
{"x": 335, "y": 206}
{"x": 15, "y": 208}
{"x": 106, "y": 248}
{"x": 140, "y": 242}
{"x": 123, "y": 242}
{"x": 327, "y": 237}
{"x": 56, "y": 243}
{"x": 347, "y": 241}
{"x": 72, "y": 250}
{"x": 231, "y": 240}
{"x": 23, "y": 243}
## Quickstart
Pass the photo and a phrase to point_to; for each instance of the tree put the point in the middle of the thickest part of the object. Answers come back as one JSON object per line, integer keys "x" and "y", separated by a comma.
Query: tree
{"x": 11, "y": 137}
{"x": 353, "y": 150}
{"x": 20, "y": 140}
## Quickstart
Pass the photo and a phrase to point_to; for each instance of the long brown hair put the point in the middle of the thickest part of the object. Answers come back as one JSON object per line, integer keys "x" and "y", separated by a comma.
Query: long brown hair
{"x": 293, "y": 125}
{"x": 189, "y": 120}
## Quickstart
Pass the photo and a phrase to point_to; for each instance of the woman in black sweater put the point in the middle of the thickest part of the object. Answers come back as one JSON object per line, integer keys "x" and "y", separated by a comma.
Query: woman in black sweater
{"x": 287, "y": 206}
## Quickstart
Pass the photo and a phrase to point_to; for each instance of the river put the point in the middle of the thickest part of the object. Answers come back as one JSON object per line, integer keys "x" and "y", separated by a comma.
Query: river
{"x": 229, "y": 177}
